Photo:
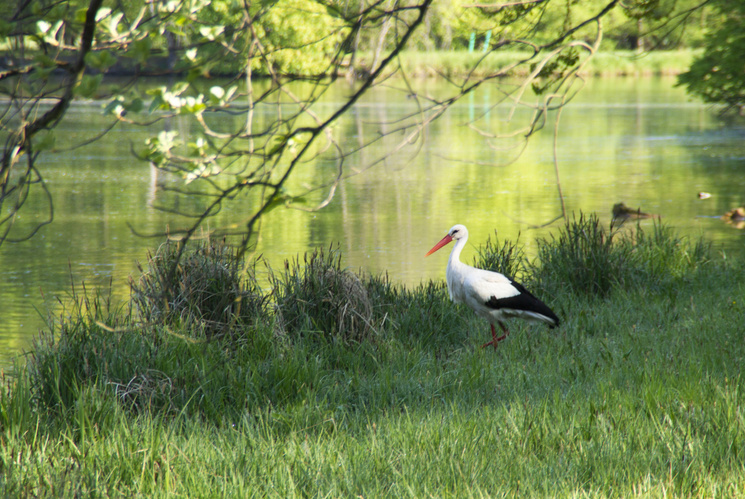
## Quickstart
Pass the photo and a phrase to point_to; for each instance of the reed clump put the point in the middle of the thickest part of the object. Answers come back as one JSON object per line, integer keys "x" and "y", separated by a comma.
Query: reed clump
{"x": 506, "y": 257}
{"x": 206, "y": 289}
{"x": 319, "y": 299}
{"x": 586, "y": 258}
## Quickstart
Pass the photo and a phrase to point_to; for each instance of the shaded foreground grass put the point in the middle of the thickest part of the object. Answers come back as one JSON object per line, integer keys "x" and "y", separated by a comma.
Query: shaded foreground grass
{"x": 639, "y": 393}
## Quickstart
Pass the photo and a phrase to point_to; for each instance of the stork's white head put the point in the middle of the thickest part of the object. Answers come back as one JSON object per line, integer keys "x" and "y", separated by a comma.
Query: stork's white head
{"x": 458, "y": 232}
{"x": 455, "y": 233}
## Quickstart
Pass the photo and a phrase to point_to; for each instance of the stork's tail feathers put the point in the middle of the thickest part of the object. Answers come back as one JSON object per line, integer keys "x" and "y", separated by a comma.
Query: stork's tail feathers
{"x": 549, "y": 317}
{"x": 546, "y": 315}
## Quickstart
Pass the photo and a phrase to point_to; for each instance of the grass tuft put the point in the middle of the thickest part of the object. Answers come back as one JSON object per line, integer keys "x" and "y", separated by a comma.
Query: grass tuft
{"x": 585, "y": 258}
{"x": 582, "y": 258}
{"x": 319, "y": 299}
{"x": 207, "y": 289}
{"x": 507, "y": 258}
{"x": 77, "y": 348}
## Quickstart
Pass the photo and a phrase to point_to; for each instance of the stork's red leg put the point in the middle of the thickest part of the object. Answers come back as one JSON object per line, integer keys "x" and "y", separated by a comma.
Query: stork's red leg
{"x": 496, "y": 340}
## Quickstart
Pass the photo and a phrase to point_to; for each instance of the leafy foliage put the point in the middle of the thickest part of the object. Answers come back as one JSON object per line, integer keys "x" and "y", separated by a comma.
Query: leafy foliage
{"x": 299, "y": 37}
{"x": 717, "y": 74}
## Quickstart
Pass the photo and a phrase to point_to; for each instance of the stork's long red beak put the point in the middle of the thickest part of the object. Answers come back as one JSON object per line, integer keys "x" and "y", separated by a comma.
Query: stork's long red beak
{"x": 439, "y": 245}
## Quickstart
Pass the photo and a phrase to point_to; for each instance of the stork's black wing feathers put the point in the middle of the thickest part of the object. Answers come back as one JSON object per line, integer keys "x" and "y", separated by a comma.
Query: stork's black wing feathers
{"x": 524, "y": 300}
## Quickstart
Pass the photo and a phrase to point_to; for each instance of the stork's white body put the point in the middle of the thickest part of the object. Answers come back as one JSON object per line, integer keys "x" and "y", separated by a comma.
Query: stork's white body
{"x": 492, "y": 295}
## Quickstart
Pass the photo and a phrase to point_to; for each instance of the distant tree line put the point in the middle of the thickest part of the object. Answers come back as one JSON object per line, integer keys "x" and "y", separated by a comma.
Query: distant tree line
{"x": 718, "y": 74}
{"x": 301, "y": 36}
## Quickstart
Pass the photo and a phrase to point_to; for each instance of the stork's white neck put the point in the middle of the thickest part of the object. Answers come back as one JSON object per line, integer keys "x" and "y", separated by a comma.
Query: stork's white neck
{"x": 454, "y": 259}
{"x": 456, "y": 271}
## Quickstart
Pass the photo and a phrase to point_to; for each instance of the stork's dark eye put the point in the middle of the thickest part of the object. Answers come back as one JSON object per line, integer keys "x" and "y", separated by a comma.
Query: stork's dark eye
{"x": 454, "y": 232}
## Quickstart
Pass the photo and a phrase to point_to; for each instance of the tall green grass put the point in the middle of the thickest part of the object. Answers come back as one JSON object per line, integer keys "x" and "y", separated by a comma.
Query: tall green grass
{"x": 587, "y": 258}
{"x": 506, "y": 257}
{"x": 319, "y": 298}
{"x": 206, "y": 289}
{"x": 638, "y": 394}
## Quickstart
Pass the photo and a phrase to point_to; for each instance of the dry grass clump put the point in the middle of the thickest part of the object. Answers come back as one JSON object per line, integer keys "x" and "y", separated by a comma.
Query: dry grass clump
{"x": 319, "y": 298}
{"x": 207, "y": 287}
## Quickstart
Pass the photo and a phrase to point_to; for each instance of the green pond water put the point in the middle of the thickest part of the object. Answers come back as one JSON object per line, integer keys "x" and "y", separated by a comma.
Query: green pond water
{"x": 639, "y": 141}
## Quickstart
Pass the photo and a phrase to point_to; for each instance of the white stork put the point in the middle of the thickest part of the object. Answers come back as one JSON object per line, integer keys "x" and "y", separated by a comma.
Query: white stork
{"x": 491, "y": 295}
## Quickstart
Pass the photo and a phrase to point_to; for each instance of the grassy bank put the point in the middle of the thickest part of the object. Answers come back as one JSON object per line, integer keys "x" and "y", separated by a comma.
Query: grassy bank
{"x": 460, "y": 63}
{"x": 340, "y": 385}
{"x": 609, "y": 63}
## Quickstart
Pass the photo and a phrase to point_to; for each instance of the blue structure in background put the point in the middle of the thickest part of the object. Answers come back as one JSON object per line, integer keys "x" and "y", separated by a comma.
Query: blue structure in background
{"x": 472, "y": 42}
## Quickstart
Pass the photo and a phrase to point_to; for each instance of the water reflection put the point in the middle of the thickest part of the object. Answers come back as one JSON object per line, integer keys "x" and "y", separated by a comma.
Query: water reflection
{"x": 641, "y": 142}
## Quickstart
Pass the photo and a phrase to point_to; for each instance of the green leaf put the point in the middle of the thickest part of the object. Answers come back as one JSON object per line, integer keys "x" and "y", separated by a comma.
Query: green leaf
{"x": 217, "y": 95}
{"x": 211, "y": 32}
{"x": 44, "y": 140}
{"x": 115, "y": 106}
{"x": 141, "y": 49}
{"x": 217, "y": 92}
{"x": 100, "y": 60}
{"x": 136, "y": 105}
{"x": 158, "y": 98}
{"x": 43, "y": 27}
{"x": 80, "y": 15}
{"x": 193, "y": 105}
{"x": 88, "y": 85}
{"x": 156, "y": 103}
{"x": 102, "y": 13}
{"x": 180, "y": 87}
{"x": 113, "y": 24}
